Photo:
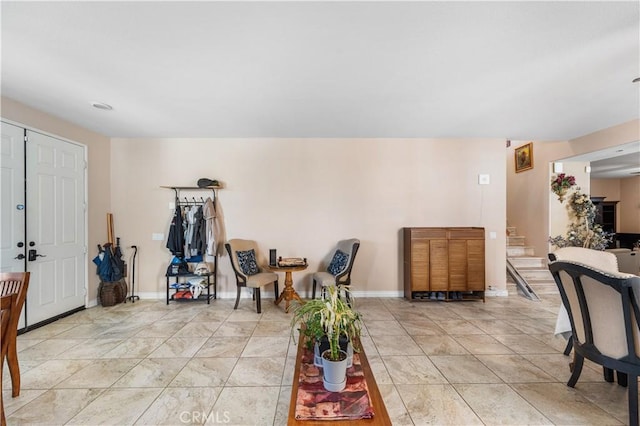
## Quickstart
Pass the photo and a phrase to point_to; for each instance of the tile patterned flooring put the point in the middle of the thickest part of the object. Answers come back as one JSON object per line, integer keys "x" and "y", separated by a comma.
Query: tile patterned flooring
{"x": 457, "y": 363}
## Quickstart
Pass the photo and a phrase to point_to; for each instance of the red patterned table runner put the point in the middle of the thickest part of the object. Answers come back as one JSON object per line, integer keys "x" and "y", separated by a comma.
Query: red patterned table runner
{"x": 314, "y": 402}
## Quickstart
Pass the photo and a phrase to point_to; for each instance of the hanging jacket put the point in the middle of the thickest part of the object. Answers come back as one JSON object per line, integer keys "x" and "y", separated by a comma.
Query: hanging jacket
{"x": 199, "y": 239}
{"x": 209, "y": 214}
{"x": 190, "y": 221}
{"x": 175, "y": 242}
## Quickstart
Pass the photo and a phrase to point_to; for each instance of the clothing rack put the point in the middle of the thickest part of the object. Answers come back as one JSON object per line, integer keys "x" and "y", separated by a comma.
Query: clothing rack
{"x": 185, "y": 201}
{"x": 193, "y": 202}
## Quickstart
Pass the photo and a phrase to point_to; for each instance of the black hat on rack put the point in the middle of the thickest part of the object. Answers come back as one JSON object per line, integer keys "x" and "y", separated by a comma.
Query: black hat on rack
{"x": 204, "y": 182}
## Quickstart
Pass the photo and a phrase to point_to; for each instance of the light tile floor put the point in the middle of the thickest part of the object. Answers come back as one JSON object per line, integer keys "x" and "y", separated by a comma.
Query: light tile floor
{"x": 458, "y": 363}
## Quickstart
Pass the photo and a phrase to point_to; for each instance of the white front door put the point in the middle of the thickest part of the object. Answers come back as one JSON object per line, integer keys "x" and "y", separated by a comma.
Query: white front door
{"x": 12, "y": 208}
{"x": 56, "y": 251}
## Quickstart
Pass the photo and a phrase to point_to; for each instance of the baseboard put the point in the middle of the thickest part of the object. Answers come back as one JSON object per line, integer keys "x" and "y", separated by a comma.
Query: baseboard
{"x": 270, "y": 295}
{"x": 497, "y": 293}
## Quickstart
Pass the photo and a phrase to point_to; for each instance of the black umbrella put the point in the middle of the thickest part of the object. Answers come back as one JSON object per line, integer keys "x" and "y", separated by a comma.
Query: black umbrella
{"x": 110, "y": 267}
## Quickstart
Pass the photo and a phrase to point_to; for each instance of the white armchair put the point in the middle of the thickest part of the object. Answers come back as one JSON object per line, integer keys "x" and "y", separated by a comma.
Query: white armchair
{"x": 628, "y": 260}
{"x": 603, "y": 308}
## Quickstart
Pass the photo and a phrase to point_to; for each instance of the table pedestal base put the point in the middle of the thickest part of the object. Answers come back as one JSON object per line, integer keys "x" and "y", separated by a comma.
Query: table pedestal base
{"x": 289, "y": 293}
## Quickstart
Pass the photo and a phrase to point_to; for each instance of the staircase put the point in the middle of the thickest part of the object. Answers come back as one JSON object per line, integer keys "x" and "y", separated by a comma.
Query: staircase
{"x": 532, "y": 269}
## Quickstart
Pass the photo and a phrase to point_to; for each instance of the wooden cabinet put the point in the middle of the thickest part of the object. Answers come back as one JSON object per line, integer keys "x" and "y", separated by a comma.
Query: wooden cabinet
{"x": 606, "y": 216}
{"x": 444, "y": 263}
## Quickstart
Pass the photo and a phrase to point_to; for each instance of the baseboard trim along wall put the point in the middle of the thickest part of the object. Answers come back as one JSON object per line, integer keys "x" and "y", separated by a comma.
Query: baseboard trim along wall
{"x": 268, "y": 295}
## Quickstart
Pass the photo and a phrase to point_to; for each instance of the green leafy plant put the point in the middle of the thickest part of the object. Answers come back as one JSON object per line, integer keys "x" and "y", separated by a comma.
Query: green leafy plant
{"x": 332, "y": 317}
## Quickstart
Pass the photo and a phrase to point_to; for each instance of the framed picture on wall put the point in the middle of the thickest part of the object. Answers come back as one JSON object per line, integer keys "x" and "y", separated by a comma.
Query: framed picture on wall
{"x": 524, "y": 157}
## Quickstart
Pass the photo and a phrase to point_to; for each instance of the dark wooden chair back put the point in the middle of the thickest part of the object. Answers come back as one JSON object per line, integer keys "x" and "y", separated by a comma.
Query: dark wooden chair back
{"x": 14, "y": 283}
{"x": 8, "y": 310}
{"x": 604, "y": 311}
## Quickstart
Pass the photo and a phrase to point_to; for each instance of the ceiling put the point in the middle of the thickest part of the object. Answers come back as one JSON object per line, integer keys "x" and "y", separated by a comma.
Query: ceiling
{"x": 618, "y": 162}
{"x": 518, "y": 70}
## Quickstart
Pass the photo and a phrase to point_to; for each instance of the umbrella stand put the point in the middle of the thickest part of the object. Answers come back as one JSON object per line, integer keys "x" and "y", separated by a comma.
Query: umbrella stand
{"x": 133, "y": 296}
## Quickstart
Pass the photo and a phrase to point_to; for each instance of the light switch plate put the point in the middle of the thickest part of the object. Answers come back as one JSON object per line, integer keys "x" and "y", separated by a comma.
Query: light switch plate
{"x": 484, "y": 179}
{"x": 156, "y": 236}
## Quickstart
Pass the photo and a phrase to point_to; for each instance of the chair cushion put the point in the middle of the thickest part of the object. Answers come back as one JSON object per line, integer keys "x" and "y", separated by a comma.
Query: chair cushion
{"x": 338, "y": 263}
{"x": 261, "y": 278}
{"x": 324, "y": 278}
{"x": 247, "y": 262}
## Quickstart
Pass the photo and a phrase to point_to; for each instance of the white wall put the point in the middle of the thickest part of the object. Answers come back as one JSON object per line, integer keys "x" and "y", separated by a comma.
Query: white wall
{"x": 302, "y": 195}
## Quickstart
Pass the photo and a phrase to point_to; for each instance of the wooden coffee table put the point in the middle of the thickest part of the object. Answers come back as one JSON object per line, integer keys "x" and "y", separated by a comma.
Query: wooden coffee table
{"x": 289, "y": 293}
{"x": 380, "y": 417}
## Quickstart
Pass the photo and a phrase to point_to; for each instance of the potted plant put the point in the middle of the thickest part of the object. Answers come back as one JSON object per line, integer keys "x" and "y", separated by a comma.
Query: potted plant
{"x": 331, "y": 318}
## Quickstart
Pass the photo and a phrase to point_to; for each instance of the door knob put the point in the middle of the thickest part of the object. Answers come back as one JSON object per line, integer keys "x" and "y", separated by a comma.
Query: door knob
{"x": 19, "y": 257}
{"x": 33, "y": 254}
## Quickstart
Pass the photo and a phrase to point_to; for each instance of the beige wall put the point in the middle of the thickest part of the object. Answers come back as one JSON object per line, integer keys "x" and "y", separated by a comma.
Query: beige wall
{"x": 608, "y": 188}
{"x": 528, "y": 192}
{"x": 98, "y": 184}
{"x": 302, "y": 195}
{"x": 629, "y": 206}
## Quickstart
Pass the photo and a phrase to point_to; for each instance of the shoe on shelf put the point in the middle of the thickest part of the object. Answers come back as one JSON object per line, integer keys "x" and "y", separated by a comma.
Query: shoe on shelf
{"x": 440, "y": 295}
{"x": 433, "y": 296}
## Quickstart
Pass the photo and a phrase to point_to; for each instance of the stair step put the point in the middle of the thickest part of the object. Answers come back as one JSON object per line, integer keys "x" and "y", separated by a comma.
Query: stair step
{"x": 528, "y": 262}
{"x": 516, "y": 251}
{"x": 532, "y": 269}
{"x": 536, "y": 274}
{"x": 515, "y": 241}
{"x": 544, "y": 288}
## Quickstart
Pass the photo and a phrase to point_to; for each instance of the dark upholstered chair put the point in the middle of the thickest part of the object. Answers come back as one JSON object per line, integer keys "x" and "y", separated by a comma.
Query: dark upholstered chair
{"x": 246, "y": 267}
{"x": 338, "y": 271}
{"x": 14, "y": 283}
{"x": 604, "y": 311}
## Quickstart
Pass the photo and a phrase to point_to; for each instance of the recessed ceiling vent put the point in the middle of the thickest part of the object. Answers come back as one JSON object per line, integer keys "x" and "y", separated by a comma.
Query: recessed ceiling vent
{"x": 102, "y": 106}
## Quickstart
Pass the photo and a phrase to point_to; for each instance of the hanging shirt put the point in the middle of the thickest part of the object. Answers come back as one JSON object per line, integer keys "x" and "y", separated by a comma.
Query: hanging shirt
{"x": 175, "y": 241}
{"x": 199, "y": 238}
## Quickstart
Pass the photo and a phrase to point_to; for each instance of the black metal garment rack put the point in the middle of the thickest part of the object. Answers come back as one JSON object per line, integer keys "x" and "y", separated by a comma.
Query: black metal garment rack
{"x": 184, "y": 201}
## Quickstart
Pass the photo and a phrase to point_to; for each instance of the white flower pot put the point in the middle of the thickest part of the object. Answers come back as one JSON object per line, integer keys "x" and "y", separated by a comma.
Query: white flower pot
{"x": 317, "y": 355}
{"x": 334, "y": 373}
